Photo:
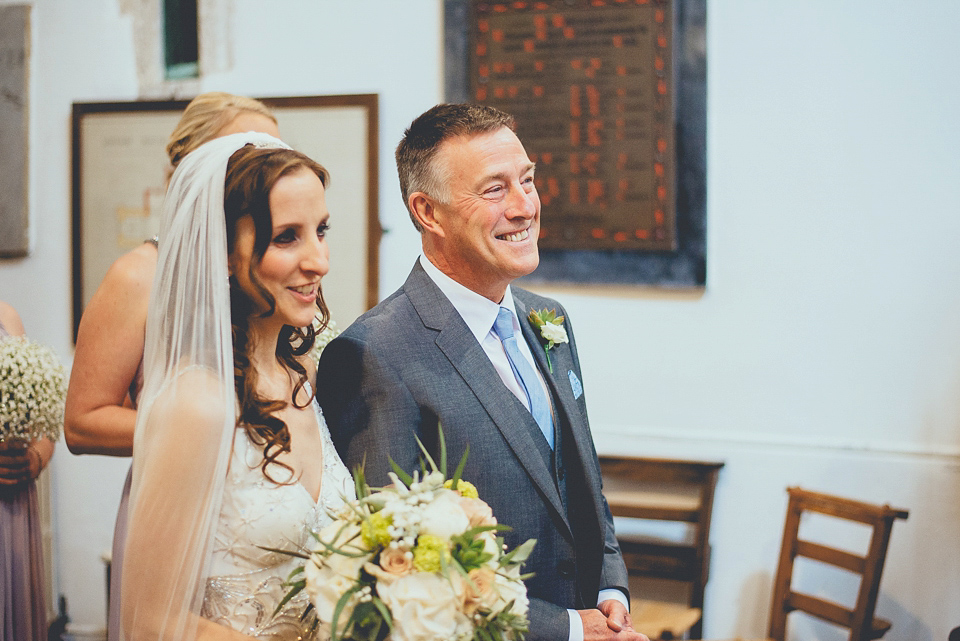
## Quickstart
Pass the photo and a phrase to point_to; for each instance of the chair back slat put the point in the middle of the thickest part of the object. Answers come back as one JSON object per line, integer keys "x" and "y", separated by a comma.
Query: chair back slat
{"x": 833, "y": 556}
{"x": 821, "y": 608}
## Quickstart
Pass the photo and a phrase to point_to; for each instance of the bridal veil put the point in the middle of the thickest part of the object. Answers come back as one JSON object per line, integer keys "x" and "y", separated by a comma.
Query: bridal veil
{"x": 187, "y": 410}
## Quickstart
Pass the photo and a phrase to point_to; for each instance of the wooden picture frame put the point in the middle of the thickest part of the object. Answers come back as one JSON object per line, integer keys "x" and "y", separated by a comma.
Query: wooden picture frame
{"x": 14, "y": 128}
{"x": 120, "y": 170}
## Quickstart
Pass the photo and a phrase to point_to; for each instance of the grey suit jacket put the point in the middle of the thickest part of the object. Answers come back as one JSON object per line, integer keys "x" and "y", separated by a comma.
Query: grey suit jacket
{"x": 410, "y": 364}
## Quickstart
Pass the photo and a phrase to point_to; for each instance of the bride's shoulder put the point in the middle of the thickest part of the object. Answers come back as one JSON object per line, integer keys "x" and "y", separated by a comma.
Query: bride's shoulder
{"x": 189, "y": 398}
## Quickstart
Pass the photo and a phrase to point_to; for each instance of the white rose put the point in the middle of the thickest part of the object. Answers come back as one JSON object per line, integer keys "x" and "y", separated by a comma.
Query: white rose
{"x": 328, "y": 580}
{"x": 491, "y": 547}
{"x": 425, "y": 607}
{"x": 443, "y": 517}
{"x": 330, "y": 575}
{"x": 511, "y": 588}
{"x": 555, "y": 333}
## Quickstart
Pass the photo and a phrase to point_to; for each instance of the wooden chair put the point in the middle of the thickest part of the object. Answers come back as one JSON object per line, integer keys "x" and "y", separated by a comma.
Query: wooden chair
{"x": 665, "y": 490}
{"x": 860, "y": 620}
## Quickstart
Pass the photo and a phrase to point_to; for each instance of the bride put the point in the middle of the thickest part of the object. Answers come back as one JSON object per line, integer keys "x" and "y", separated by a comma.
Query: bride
{"x": 231, "y": 452}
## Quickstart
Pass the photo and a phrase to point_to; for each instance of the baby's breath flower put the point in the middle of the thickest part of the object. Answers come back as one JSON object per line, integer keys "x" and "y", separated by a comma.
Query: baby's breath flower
{"x": 323, "y": 337}
{"x": 32, "y": 389}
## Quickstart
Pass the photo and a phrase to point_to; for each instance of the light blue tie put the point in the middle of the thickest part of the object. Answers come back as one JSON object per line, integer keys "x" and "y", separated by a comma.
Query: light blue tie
{"x": 539, "y": 406}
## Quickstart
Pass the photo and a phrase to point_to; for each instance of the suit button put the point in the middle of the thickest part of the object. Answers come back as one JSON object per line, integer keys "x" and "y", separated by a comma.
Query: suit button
{"x": 565, "y": 569}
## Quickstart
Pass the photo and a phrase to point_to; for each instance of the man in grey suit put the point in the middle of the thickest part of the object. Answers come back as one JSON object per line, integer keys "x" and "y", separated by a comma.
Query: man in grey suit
{"x": 454, "y": 348}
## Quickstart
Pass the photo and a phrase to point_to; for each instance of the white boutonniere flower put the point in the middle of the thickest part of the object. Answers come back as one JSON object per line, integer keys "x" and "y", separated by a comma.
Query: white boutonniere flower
{"x": 551, "y": 329}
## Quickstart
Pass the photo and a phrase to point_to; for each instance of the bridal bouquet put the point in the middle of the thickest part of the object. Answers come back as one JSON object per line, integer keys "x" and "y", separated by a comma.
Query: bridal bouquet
{"x": 417, "y": 561}
{"x": 32, "y": 389}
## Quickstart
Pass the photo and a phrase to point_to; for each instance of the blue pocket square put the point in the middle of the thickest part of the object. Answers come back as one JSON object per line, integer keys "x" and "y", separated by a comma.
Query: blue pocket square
{"x": 575, "y": 384}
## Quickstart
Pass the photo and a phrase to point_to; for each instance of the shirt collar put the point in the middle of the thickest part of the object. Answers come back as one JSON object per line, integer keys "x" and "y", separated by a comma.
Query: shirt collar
{"x": 478, "y": 312}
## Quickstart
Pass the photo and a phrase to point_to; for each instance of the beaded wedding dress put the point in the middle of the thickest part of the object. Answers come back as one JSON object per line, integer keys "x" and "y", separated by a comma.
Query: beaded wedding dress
{"x": 246, "y": 581}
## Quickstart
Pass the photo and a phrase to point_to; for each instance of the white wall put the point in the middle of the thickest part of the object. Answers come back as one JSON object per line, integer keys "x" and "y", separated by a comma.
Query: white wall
{"x": 824, "y": 351}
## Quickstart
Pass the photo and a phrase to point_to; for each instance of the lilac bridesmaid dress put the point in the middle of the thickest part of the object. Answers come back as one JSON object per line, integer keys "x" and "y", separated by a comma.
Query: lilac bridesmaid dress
{"x": 22, "y": 596}
{"x": 116, "y": 562}
{"x": 120, "y": 533}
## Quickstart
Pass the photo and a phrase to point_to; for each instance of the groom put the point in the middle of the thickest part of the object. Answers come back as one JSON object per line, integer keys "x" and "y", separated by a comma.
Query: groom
{"x": 453, "y": 349}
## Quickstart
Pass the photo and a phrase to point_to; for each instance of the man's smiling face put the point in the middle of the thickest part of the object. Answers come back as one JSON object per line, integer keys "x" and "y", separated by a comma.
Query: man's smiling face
{"x": 491, "y": 223}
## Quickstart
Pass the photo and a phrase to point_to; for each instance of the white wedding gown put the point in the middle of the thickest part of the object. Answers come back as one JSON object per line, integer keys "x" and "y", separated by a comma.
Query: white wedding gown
{"x": 246, "y": 581}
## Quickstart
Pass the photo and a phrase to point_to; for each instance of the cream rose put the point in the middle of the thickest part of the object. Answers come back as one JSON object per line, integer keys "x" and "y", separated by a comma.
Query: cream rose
{"x": 479, "y": 589}
{"x": 330, "y": 575}
{"x": 511, "y": 588}
{"x": 425, "y": 607}
{"x": 396, "y": 561}
{"x": 477, "y": 511}
{"x": 555, "y": 333}
{"x": 328, "y": 580}
{"x": 443, "y": 517}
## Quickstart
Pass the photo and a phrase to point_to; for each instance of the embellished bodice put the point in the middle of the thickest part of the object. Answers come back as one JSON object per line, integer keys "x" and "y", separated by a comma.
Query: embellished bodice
{"x": 246, "y": 581}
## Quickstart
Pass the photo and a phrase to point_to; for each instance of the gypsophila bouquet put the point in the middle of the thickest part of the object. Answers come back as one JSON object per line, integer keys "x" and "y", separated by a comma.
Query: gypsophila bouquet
{"x": 323, "y": 337}
{"x": 417, "y": 561}
{"x": 32, "y": 389}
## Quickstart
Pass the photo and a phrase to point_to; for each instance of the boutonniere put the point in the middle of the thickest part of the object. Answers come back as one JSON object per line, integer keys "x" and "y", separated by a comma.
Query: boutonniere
{"x": 551, "y": 330}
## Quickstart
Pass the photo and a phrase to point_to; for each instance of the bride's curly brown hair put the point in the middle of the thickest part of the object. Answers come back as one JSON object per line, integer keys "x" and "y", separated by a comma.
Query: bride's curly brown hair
{"x": 252, "y": 172}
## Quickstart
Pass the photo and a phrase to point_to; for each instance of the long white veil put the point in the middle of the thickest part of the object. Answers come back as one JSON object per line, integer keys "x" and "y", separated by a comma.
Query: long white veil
{"x": 187, "y": 411}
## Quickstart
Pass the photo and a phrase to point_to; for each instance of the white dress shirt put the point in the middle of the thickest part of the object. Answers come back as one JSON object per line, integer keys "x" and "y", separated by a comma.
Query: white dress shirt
{"x": 479, "y": 314}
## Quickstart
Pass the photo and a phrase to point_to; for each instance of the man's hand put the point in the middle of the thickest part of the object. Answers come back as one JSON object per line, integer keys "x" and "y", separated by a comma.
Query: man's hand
{"x": 609, "y": 621}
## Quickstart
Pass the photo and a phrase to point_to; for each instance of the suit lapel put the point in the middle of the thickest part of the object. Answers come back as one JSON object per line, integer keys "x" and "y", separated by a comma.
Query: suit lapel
{"x": 470, "y": 361}
{"x": 557, "y": 380}
{"x": 561, "y": 386}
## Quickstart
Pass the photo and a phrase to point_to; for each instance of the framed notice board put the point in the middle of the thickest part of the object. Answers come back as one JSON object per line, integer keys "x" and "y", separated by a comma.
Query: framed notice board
{"x": 610, "y": 102}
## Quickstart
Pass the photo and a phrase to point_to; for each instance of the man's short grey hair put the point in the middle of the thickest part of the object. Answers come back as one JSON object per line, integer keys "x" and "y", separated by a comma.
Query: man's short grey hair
{"x": 419, "y": 168}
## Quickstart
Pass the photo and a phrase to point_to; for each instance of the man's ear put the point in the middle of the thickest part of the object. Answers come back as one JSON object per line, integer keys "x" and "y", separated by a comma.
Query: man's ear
{"x": 425, "y": 211}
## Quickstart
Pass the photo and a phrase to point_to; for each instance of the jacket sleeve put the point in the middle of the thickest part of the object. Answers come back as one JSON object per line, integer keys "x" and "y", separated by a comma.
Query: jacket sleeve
{"x": 369, "y": 409}
{"x": 613, "y": 573}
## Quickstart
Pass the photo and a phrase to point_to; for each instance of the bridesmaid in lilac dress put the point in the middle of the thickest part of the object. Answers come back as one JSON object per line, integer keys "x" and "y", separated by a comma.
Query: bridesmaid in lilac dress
{"x": 22, "y": 595}
{"x": 106, "y": 375}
